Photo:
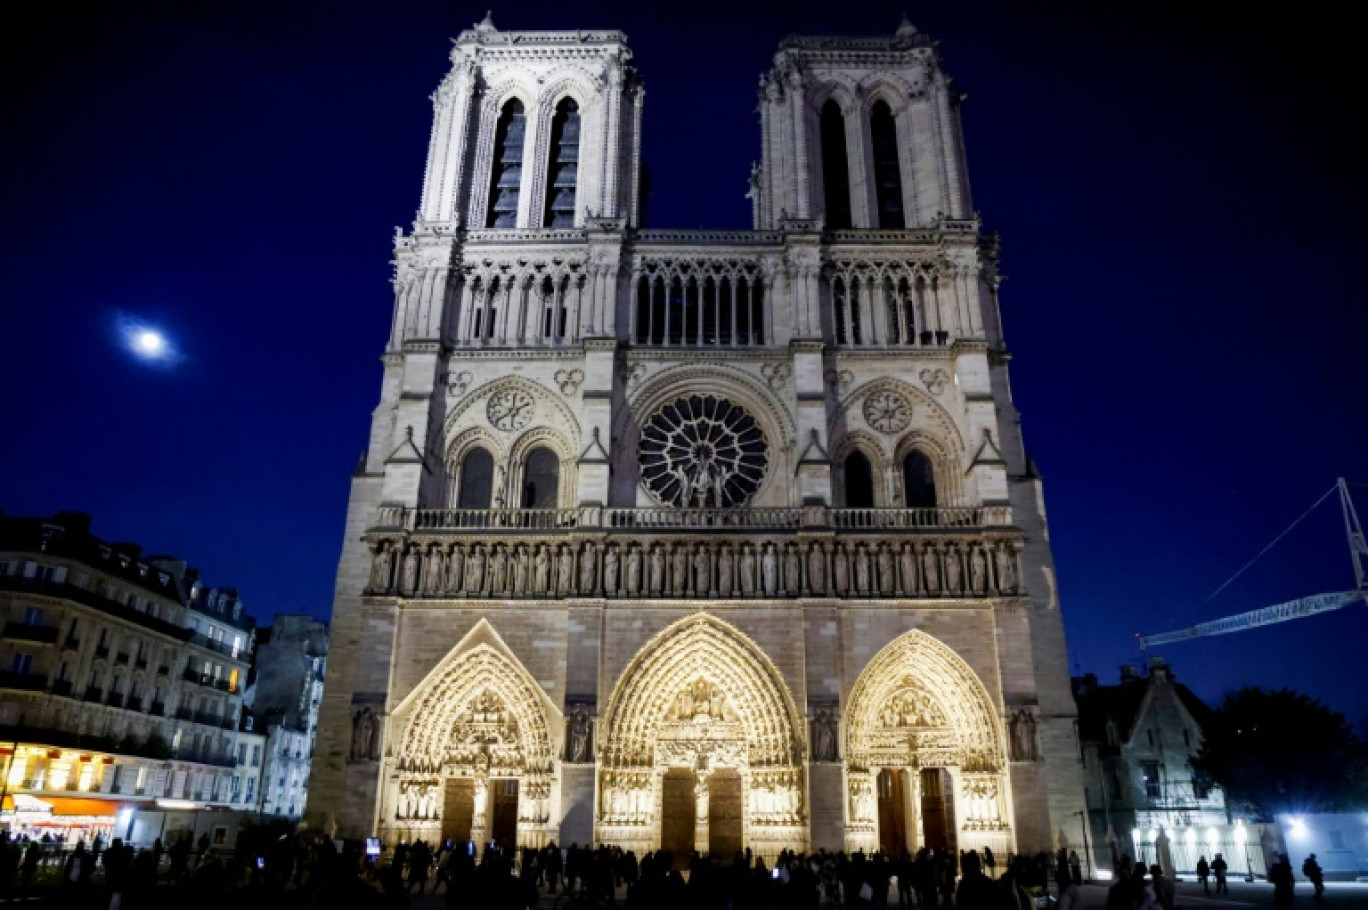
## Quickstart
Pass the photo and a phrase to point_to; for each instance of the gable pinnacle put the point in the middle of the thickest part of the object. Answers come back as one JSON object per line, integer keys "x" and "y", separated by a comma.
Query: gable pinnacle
{"x": 905, "y": 28}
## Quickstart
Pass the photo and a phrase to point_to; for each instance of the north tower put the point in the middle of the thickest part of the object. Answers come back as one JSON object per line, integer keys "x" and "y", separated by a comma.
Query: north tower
{"x": 697, "y": 539}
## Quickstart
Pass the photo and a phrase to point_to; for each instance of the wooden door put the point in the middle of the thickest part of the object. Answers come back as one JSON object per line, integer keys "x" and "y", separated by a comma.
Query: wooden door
{"x": 504, "y": 825}
{"x": 458, "y": 809}
{"x": 934, "y": 821}
{"x": 724, "y": 813}
{"x": 677, "y": 811}
{"x": 892, "y": 812}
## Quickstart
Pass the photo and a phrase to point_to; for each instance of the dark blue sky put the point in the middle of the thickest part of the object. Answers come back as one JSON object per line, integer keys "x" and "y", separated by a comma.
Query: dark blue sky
{"x": 1181, "y": 201}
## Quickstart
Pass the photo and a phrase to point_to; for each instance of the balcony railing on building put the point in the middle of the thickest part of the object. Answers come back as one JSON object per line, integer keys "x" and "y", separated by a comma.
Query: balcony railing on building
{"x": 22, "y": 631}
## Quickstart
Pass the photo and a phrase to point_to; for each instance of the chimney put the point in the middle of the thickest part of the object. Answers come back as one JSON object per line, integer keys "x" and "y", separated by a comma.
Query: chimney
{"x": 1159, "y": 669}
{"x": 1129, "y": 674}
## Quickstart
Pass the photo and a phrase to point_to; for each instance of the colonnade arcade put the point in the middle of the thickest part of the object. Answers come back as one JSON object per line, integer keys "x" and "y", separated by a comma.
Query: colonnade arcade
{"x": 701, "y": 747}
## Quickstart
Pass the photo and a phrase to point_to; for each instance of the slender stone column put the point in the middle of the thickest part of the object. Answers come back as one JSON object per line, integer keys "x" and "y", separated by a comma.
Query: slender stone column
{"x": 701, "y": 813}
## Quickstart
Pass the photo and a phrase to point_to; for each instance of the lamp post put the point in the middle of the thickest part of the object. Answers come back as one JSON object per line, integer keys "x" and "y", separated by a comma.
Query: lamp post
{"x": 1087, "y": 851}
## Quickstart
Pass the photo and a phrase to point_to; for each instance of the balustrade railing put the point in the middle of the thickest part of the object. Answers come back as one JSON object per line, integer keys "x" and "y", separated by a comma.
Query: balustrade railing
{"x": 914, "y": 519}
{"x": 479, "y": 519}
{"x": 702, "y": 518}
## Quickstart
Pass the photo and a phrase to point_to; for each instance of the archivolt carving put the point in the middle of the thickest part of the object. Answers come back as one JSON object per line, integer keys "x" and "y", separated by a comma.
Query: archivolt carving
{"x": 918, "y": 704}
{"x": 478, "y": 714}
{"x": 703, "y": 672}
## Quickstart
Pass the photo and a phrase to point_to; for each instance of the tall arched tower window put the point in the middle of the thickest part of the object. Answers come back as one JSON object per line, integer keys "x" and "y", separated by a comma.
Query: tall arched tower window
{"x": 477, "y": 480}
{"x": 835, "y": 167}
{"x": 887, "y": 177}
{"x": 562, "y": 171}
{"x": 505, "y": 179}
{"x": 919, "y": 481}
{"x": 859, "y": 482}
{"x": 541, "y": 480}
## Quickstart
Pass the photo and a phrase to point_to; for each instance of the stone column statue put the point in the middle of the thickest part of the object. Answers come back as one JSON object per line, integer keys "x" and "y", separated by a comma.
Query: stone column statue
{"x": 953, "y": 569}
{"x": 475, "y": 571}
{"x": 382, "y": 568}
{"x": 1006, "y": 569}
{"x": 769, "y": 565}
{"x": 702, "y": 571}
{"x": 565, "y": 578}
{"x": 589, "y": 569}
{"x": 841, "y": 570}
{"x": 816, "y": 571}
{"x": 978, "y": 571}
{"x": 861, "y": 569}
{"x": 433, "y": 570}
{"x": 907, "y": 567}
{"x": 410, "y": 585}
{"x": 885, "y": 570}
{"x": 747, "y": 570}
{"x": 657, "y": 570}
{"x": 455, "y": 569}
{"x": 543, "y": 574}
{"x": 521, "y": 568}
{"x": 498, "y": 570}
{"x": 679, "y": 572}
{"x": 577, "y": 742}
{"x": 793, "y": 571}
{"x": 725, "y": 564}
{"x": 930, "y": 571}
{"x": 610, "y": 571}
{"x": 633, "y": 583}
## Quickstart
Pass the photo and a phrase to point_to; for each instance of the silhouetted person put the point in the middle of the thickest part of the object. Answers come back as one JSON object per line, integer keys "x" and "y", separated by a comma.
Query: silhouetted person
{"x": 1203, "y": 873}
{"x": 1280, "y": 876}
{"x": 976, "y": 890}
{"x": 1163, "y": 887}
{"x": 1218, "y": 869}
{"x": 1315, "y": 875}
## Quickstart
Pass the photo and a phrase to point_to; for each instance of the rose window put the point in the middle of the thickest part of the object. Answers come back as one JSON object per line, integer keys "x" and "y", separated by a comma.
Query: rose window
{"x": 702, "y": 451}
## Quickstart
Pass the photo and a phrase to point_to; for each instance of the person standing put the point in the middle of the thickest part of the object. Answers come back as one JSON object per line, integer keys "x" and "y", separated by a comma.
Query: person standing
{"x": 1203, "y": 873}
{"x": 1315, "y": 875}
{"x": 1280, "y": 876}
{"x": 1218, "y": 869}
{"x": 1163, "y": 887}
{"x": 1070, "y": 896}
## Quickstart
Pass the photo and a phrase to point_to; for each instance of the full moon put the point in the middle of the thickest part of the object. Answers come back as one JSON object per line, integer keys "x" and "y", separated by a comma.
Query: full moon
{"x": 149, "y": 343}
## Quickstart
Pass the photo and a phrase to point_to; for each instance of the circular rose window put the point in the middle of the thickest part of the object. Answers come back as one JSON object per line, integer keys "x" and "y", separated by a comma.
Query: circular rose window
{"x": 702, "y": 452}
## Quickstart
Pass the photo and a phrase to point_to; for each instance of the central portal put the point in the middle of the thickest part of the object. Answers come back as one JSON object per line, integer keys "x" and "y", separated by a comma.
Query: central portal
{"x": 458, "y": 809}
{"x": 724, "y": 813}
{"x": 892, "y": 812}
{"x": 504, "y": 824}
{"x": 678, "y": 815}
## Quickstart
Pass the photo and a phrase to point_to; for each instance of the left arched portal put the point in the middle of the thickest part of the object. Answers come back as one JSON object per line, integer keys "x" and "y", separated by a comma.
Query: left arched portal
{"x": 475, "y": 757}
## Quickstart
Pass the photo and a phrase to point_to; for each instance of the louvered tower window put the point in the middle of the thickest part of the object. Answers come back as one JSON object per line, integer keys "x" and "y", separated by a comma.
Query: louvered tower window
{"x": 563, "y": 169}
{"x": 506, "y": 175}
{"x": 887, "y": 177}
{"x": 835, "y": 167}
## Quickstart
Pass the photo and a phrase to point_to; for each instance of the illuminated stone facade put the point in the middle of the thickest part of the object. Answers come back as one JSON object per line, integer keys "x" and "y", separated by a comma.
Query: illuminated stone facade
{"x": 696, "y": 539}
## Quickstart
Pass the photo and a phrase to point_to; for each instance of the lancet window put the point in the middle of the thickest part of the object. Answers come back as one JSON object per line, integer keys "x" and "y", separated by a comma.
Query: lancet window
{"x": 887, "y": 176}
{"x": 835, "y": 167}
{"x": 475, "y": 485}
{"x": 919, "y": 481}
{"x": 888, "y": 303}
{"x": 505, "y": 180}
{"x": 541, "y": 480}
{"x": 563, "y": 167}
{"x": 700, "y": 306}
{"x": 859, "y": 481}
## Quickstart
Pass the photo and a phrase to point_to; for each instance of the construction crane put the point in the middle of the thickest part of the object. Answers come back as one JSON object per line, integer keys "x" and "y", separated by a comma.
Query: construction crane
{"x": 1292, "y": 609}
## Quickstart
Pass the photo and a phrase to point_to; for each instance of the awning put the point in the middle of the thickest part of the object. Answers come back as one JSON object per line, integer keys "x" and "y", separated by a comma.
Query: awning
{"x": 71, "y": 805}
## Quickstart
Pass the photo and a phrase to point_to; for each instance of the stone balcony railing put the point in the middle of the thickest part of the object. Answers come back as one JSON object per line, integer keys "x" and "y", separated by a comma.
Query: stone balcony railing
{"x": 969, "y": 552}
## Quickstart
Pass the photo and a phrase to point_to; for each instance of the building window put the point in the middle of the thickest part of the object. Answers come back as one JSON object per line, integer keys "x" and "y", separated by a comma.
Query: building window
{"x": 919, "y": 481}
{"x": 846, "y": 314}
{"x": 477, "y": 480}
{"x": 887, "y": 179}
{"x": 1150, "y": 770}
{"x": 1115, "y": 780}
{"x": 21, "y": 663}
{"x": 562, "y": 169}
{"x": 33, "y": 616}
{"x": 835, "y": 167}
{"x": 859, "y": 482}
{"x": 541, "y": 480}
{"x": 506, "y": 175}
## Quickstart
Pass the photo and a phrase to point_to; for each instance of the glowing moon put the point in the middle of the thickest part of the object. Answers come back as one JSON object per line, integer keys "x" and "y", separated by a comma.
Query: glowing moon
{"x": 149, "y": 343}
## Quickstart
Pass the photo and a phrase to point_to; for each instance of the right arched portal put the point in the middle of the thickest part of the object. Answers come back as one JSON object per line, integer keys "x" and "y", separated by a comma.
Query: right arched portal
{"x": 925, "y": 763}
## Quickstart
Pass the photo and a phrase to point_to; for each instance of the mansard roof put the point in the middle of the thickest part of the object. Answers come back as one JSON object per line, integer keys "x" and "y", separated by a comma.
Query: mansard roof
{"x": 1123, "y": 704}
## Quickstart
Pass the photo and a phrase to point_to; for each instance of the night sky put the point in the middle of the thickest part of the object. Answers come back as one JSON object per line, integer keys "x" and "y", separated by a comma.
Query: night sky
{"x": 1181, "y": 202}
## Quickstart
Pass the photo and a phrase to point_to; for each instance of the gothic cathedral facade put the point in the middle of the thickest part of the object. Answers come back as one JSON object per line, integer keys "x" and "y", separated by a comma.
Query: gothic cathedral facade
{"x": 697, "y": 539}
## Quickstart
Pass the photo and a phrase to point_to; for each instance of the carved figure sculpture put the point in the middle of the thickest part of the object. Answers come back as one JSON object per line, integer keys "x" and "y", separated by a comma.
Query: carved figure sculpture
{"x": 475, "y": 571}
{"x": 382, "y": 569}
{"x": 885, "y": 570}
{"x": 520, "y": 571}
{"x": 702, "y": 571}
{"x": 610, "y": 571}
{"x": 588, "y": 569}
{"x": 633, "y": 582}
{"x": 747, "y": 571}
{"x": 861, "y": 569}
{"x": 498, "y": 570}
{"x": 578, "y": 740}
{"x": 953, "y": 570}
{"x": 769, "y": 565}
{"x": 657, "y": 570}
{"x": 1023, "y": 736}
{"x": 1006, "y": 570}
{"x": 793, "y": 570}
{"x": 824, "y": 736}
{"x": 816, "y": 570}
{"x": 542, "y": 576}
{"x": 907, "y": 565}
{"x": 679, "y": 571}
{"x": 455, "y": 569}
{"x": 410, "y": 572}
{"x": 930, "y": 571}
{"x": 565, "y": 578}
{"x": 363, "y": 731}
{"x": 978, "y": 571}
{"x": 724, "y": 572}
{"x": 841, "y": 570}
{"x": 432, "y": 571}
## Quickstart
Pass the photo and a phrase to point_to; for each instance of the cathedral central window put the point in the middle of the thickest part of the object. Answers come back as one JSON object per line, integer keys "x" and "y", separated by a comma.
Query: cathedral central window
{"x": 703, "y": 452}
